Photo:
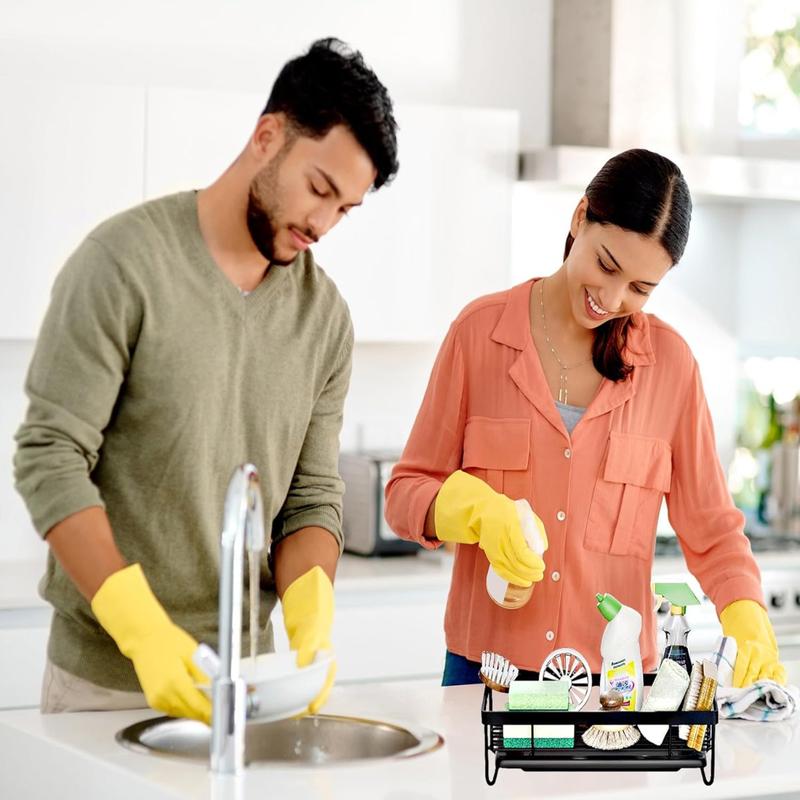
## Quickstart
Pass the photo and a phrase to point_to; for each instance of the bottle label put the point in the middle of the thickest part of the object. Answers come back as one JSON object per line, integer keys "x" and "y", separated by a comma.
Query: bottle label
{"x": 622, "y": 676}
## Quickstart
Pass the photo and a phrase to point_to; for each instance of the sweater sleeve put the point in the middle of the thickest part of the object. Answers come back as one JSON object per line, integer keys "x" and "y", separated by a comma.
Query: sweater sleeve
{"x": 315, "y": 494}
{"x": 709, "y": 526}
{"x": 81, "y": 357}
{"x": 434, "y": 447}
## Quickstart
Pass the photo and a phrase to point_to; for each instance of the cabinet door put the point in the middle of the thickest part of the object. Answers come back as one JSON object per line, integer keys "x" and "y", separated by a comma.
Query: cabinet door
{"x": 382, "y": 254}
{"x": 23, "y": 642}
{"x": 383, "y": 634}
{"x": 72, "y": 156}
{"x": 193, "y": 136}
{"x": 439, "y": 235}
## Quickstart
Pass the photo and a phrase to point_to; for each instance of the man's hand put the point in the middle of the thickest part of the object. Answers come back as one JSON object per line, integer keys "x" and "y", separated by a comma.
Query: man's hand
{"x": 161, "y": 651}
{"x": 308, "y": 617}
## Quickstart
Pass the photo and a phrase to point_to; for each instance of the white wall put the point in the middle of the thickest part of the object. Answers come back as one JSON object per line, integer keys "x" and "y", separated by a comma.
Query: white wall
{"x": 769, "y": 280}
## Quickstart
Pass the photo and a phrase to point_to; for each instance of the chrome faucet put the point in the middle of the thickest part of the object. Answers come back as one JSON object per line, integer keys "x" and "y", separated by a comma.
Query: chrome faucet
{"x": 243, "y": 522}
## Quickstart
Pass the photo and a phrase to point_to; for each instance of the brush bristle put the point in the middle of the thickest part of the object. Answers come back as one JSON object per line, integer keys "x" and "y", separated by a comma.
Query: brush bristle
{"x": 498, "y": 669}
{"x": 611, "y": 737}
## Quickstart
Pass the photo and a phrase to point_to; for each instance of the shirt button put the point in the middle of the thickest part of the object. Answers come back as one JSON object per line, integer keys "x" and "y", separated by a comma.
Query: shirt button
{"x": 561, "y": 516}
{"x": 567, "y": 452}
{"x": 556, "y": 575}
{"x": 549, "y": 636}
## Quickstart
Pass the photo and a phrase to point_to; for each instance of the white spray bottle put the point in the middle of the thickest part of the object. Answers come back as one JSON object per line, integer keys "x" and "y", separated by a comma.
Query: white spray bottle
{"x": 506, "y": 594}
{"x": 622, "y": 659}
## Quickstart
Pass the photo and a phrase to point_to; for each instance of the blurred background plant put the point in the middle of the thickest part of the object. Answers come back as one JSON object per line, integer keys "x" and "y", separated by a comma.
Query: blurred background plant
{"x": 765, "y": 463}
{"x": 769, "y": 100}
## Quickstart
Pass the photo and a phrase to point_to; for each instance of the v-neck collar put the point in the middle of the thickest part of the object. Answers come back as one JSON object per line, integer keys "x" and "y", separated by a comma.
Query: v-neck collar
{"x": 514, "y": 330}
{"x": 242, "y": 304}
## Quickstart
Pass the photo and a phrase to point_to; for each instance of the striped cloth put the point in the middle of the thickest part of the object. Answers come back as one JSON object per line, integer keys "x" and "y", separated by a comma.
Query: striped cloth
{"x": 763, "y": 701}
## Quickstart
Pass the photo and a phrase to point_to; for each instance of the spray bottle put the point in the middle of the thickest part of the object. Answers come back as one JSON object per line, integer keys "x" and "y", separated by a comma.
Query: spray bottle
{"x": 622, "y": 659}
{"x": 676, "y": 628}
{"x": 506, "y": 594}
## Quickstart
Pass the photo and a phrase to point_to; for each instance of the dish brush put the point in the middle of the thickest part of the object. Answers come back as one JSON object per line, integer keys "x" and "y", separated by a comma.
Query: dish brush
{"x": 611, "y": 737}
{"x": 497, "y": 672}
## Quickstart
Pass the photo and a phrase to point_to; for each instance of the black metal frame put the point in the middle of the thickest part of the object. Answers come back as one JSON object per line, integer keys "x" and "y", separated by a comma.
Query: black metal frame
{"x": 672, "y": 755}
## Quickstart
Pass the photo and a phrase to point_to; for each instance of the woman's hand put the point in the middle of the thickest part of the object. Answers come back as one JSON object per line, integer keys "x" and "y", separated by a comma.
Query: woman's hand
{"x": 757, "y": 650}
{"x": 468, "y": 511}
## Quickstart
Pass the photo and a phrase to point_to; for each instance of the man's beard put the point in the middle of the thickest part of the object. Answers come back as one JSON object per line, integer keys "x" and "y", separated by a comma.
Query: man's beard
{"x": 261, "y": 217}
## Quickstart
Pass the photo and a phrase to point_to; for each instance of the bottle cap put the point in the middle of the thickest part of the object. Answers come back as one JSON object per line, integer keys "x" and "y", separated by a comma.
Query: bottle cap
{"x": 608, "y": 605}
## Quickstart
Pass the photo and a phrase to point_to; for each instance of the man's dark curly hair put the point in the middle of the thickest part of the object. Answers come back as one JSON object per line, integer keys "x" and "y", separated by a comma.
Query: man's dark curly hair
{"x": 331, "y": 85}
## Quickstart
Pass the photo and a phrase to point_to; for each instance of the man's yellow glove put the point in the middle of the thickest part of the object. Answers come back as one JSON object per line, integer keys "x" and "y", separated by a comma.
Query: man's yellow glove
{"x": 469, "y": 511}
{"x": 308, "y": 617}
{"x": 161, "y": 651}
{"x": 757, "y": 650}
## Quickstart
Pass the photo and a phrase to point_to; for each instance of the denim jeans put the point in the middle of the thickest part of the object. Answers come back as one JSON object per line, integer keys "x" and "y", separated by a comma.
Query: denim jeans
{"x": 459, "y": 670}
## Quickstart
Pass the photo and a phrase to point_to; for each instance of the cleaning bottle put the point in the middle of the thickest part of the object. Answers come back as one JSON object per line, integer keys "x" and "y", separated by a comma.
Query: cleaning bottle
{"x": 506, "y": 594}
{"x": 676, "y": 628}
{"x": 619, "y": 647}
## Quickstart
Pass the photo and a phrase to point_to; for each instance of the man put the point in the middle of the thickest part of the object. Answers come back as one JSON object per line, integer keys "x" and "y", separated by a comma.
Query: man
{"x": 186, "y": 336}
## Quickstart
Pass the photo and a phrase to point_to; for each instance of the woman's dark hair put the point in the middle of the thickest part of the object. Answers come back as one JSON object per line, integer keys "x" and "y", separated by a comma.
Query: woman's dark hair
{"x": 643, "y": 192}
{"x": 331, "y": 85}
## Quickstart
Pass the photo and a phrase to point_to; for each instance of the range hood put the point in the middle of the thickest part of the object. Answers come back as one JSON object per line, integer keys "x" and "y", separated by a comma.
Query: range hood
{"x": 660, "y": 74}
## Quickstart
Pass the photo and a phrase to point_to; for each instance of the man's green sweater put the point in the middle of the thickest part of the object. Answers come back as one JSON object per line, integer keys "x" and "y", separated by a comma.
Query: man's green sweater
{"x": 153, "y": 377}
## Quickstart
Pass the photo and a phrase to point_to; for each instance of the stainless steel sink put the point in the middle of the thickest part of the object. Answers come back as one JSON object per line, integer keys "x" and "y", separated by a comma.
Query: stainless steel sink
{"x": 308, "y": 741}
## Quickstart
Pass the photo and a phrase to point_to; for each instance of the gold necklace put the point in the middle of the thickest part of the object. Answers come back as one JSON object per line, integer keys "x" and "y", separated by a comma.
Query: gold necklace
{"x": 564, "y": 368}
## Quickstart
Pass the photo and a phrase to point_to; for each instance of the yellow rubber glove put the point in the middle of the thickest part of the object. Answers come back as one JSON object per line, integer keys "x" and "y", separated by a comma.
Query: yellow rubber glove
{"x": 469, "y": 511}
{"x": 161, "y": 651}
{"x": 308, "y": 617}
{"x": 757, "y": 650}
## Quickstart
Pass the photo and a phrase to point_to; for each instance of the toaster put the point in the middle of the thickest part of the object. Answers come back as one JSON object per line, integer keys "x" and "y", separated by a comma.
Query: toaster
{"x": 366, "y": 532}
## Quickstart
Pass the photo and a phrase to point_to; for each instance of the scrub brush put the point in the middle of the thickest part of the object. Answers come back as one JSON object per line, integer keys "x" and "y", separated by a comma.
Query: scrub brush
{"x": 611, "y": 737}
{"x": 497, "y": 672}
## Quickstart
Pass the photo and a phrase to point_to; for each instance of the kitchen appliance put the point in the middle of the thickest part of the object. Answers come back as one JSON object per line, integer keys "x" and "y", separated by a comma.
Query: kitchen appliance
{"x": 366, "y": 532}
{"x": 784, "y": 499}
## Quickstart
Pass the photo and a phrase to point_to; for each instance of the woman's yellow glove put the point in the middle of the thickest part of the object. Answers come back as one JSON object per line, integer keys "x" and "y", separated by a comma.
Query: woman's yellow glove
{"x": 757, "y": 650}
{"x": 161, "y": 651}
{"x": 469, "y": 511}
{"x": 308, "y": 617}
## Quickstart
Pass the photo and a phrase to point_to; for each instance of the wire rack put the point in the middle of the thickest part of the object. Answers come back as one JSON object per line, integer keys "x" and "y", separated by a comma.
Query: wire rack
{"x": 672, "y": 755}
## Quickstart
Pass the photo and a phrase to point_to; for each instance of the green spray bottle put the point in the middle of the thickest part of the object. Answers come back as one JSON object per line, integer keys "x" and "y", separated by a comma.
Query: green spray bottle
{"x": 676, "y": 628}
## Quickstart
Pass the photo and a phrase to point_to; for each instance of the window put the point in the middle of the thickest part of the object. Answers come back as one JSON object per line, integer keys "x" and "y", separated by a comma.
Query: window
{"x": 769, "y": 98}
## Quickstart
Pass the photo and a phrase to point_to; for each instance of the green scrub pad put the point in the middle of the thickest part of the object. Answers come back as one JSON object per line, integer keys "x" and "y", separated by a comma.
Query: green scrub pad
{"x": 561, "y": 736}
{"x": 539, "y": 696}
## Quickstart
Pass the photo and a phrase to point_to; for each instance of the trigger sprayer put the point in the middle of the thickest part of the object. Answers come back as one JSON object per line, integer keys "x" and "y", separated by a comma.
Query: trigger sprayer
{"x": 676, "y": 628}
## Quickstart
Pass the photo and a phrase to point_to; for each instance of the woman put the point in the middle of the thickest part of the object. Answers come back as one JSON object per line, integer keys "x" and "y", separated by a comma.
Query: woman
{"x": 563, "y": 392}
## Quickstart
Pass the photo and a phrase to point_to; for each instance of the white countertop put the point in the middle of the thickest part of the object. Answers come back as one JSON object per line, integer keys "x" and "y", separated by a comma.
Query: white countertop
{"x": 76, "y": 756}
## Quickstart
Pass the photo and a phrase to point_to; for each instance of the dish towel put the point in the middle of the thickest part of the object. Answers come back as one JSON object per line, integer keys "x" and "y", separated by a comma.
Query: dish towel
{"x": 763, "y": 701}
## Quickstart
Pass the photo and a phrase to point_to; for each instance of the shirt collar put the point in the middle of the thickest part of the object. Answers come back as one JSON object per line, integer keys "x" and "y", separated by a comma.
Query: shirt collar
{"x": 513, "y": 327}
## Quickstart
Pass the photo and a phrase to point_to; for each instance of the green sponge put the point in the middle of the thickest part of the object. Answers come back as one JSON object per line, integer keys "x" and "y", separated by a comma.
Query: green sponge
{"x": 539, "y": 696}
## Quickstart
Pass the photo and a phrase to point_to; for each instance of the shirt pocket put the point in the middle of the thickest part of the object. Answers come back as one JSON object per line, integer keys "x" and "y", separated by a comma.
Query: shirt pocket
{"x": 623, "y": 512}
{"x": 498, "y": 451}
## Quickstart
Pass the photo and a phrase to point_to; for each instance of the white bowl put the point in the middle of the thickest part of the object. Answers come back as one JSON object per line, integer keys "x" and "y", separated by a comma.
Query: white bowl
{"x": 279, "y": 688}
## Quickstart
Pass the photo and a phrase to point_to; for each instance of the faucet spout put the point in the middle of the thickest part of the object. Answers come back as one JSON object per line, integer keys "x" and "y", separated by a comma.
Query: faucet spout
{"x": 243, "y": 524}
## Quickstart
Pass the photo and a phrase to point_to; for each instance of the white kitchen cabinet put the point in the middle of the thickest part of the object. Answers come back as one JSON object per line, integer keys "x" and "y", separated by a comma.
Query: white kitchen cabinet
{"x": 192, "y": 136}
{"x": 439, "y": 235}
{"x": 72, "y": 155}
{"x": 384, "y": 633}
{"x": 23, "y": 644}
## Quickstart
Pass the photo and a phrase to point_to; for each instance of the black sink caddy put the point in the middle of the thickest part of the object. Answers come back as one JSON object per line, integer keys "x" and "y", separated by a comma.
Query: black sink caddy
{"x": 673, "y": 754}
